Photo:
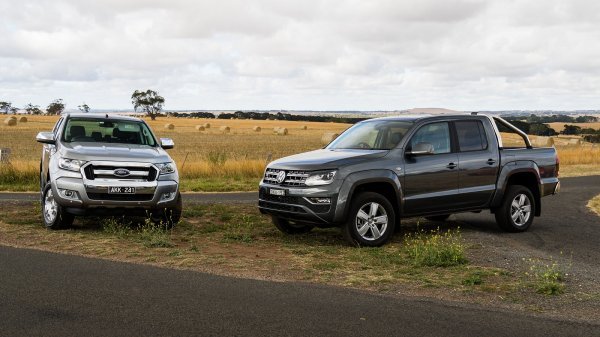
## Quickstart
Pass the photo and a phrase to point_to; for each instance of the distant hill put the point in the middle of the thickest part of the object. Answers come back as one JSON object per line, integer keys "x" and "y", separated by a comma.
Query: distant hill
{"x": 431, "y": 111}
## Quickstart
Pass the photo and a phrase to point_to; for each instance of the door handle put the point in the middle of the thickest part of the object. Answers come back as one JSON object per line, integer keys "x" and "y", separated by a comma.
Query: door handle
{"x": 451, "y": 166}
{"x": 491, "y": 161}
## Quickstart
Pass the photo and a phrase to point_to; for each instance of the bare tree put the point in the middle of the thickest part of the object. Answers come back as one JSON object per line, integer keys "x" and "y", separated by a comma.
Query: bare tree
{"x": 148, "y": 101}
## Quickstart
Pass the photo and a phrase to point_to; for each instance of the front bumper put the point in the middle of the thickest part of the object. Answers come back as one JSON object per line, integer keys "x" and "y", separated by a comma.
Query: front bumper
{"x": 296, "y": 203}
{"x": 94, "y": 194}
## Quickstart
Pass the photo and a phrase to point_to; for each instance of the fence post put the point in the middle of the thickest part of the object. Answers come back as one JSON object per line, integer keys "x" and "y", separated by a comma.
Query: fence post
{"x": 4, "y": 156}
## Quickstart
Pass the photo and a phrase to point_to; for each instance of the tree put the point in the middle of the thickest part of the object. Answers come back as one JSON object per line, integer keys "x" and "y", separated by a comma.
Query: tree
{"x": 571, "y": 130}
{"x": 14, "y": 110}
{"x": 147, "y": 101}
{"x": 540, "y": 129}
{"x": 56, "y": 107}
{"x": 5, "y": 106}
{"x": 84, "y": 108}
{"x": 33, "y": 109}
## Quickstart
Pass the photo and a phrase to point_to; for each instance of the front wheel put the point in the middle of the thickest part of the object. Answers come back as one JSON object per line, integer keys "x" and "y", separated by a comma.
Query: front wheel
{"x": 517, "y": 210}
{"x": 289, "y": 227}
{"x": 53, "y": 214}
{"x": 371, "y": 220}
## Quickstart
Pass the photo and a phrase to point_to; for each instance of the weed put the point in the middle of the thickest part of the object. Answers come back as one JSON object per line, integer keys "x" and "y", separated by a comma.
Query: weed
{"x": 547, "y": 277}
{"x": 473, "y": 279}
{"x": 238, "y": 237}
{"x": 154, "y": 235}
{"x": 436, "y": 249}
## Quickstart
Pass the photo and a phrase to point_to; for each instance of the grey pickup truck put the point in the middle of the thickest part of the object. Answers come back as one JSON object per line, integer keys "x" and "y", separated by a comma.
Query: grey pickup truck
{"x": 384, "y": 169}
{"x": 106, "y": 165}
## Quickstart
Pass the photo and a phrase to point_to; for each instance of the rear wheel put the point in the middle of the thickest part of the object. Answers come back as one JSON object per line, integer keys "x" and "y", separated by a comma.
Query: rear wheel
{"x": 53, "y": 214}
{"x": 438, "y": 218}
{"x": 291, "y": 227}
{"x": 371, "y": 220}
{"x": 517, "y": 210}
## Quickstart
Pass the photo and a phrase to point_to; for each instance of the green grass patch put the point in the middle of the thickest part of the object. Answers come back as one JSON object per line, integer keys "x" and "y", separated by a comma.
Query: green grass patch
{"x": 547, "y": 278}
{"x": 436, "y": 248}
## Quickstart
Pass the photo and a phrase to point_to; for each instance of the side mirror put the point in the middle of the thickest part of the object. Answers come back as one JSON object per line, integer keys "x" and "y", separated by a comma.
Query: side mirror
{"x": 167, "y": 143}
{"x": 420, "y": 149}
{"x": 45, "y": 138}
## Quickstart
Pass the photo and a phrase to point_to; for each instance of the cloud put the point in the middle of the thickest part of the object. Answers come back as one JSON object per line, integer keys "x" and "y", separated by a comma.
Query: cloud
{"x": 312, "y": 54}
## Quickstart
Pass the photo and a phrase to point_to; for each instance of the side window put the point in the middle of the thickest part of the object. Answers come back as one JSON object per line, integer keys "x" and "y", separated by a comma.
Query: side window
{"x": 471, "y": 136}
{"x": 436, "y": 134}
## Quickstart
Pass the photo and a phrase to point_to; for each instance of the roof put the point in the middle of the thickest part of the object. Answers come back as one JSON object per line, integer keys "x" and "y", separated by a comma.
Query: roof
{"x": 102, "y": 116}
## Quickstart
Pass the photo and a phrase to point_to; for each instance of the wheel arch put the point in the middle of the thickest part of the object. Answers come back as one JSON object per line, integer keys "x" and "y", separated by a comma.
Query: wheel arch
{"x": 525, "y": 173}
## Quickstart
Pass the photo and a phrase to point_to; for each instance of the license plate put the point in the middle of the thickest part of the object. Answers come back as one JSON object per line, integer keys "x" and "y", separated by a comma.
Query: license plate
{"x": 121, "y": 190}
{"x": 277, "y": 192}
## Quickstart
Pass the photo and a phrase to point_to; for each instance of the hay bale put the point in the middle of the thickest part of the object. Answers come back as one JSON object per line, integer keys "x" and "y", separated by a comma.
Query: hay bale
{"x": 328, "y": 137}
{"x": 169, "y": 126}
{"x": 275, "y": 129}
{"x": 257, "y": 129}
{"x": 206, "y": 125}
{"x": 550, "y": 141}
{"x": 304, "y": 127}
{"x": 282, "y": 131}
{"x": 574, "y": 141}
{"x": 225, "y": 129}
{"x": 23, "y": 119}
{"x": 10, "y": 121}
{"x": 200, "y": 127}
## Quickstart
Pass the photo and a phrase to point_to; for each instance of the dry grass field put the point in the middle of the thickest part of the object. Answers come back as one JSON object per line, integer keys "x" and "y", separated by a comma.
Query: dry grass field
{"x": 215, "y": 160}
{"x": 558, "y": 127}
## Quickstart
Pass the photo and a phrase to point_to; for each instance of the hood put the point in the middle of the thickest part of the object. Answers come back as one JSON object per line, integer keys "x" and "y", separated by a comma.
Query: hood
{"x": 326, "y": 159}
{"x": 114, "y": 152}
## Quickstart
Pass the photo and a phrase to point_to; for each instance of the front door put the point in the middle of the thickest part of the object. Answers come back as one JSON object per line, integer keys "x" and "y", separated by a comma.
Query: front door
{"x": 430, "y": 180}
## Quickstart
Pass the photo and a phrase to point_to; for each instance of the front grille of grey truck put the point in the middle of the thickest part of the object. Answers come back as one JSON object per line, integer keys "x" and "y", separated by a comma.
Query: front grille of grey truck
{"x": 135, "y": 173}
{"x": 120, "y": 197}
{"x": 292, "y": 178}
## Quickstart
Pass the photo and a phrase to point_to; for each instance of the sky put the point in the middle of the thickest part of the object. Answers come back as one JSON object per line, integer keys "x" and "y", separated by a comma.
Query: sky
{"x": 303, "y": 55}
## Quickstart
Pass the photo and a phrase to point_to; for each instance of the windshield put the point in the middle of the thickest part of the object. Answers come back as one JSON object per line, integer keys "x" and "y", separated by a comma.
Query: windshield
{"x": 107, "y": 131}
{"x": 372, "y": 135}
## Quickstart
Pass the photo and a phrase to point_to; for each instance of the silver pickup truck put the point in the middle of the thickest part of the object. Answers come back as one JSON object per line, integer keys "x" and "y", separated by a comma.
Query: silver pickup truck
{"x": 101, "y": 165}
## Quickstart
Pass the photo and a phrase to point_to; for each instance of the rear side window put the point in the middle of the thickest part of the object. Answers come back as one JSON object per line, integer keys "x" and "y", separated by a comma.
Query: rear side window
{"x": 471, "y": 136}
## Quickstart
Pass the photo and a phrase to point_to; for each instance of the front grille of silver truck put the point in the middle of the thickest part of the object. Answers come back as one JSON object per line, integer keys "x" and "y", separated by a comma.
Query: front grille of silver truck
{"x": 292, "y": 178}
{"x": 110, "y": 172}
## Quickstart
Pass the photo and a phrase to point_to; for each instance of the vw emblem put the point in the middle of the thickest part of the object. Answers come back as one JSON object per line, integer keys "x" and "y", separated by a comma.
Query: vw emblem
{"x": 280, "y": 177}
{"x": 122, "y": 172}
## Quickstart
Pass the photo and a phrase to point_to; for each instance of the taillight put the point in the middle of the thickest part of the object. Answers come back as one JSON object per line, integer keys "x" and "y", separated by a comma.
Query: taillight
{"x": 557, "y": 164}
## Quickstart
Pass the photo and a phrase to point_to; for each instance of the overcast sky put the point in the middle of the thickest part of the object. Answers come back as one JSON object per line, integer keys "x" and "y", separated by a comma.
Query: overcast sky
{"x": 308, "y": 54}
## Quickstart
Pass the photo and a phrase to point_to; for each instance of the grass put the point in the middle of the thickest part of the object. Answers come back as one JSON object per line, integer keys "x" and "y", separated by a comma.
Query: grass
{"x": 436, "y": 249}
{"x": 547, "y": 278}
{"x": 594, "y": 204}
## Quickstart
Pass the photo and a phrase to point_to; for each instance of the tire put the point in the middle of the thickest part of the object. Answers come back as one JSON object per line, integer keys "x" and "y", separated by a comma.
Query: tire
{"x": 366, "y": 225}
{"x": 53, "y": 214}
{"x": 292, "y": 228}
{"x": 169, "y": 217}
{"x": 517, "y": 210}
{"x": 438, "y": 218}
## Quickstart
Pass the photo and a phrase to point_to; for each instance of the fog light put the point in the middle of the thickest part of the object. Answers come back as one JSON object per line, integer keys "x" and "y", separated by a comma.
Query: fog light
{"x": 68, "y": 194}
{"x": 168, "y": 196}
{"x": 320, "y": 201}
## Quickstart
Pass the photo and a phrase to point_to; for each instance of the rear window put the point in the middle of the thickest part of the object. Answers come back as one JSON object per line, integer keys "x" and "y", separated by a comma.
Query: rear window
{"x": 471, "y": 136}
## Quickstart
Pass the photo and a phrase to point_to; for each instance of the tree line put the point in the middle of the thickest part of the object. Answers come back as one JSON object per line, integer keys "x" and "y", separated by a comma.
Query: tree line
{"x": 55, "y": 107}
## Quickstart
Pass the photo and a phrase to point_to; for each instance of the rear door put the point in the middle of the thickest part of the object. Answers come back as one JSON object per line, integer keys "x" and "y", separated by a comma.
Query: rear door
{"x": 431, "y": 181}
{"x": 478, "y": 162}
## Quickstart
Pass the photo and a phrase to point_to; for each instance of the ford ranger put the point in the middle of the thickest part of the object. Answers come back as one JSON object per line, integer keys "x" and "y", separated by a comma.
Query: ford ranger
{"x": 106, "y": 165}
{"x": 384, "y": 169}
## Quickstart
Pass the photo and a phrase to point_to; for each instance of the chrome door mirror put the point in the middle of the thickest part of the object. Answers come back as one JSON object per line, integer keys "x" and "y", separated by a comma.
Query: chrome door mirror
{"x": 45, "y": 138}
{"x": 167, "y": 143}
{"x": 420, "y": 149}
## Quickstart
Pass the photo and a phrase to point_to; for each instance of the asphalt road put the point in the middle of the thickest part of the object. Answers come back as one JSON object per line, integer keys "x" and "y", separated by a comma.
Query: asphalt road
{"x": 60, "y": 295}
{"x": 46, "y": 294}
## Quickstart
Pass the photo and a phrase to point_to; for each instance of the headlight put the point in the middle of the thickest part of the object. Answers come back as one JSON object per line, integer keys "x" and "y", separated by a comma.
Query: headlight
{"x": 320, "y": 178}
{"x": 70, "y": 164}
{"x": 166, "y": 168}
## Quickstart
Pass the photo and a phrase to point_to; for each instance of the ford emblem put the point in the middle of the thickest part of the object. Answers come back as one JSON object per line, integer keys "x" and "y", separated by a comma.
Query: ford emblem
{"x": 122, "y": 172}
{"x": 280, "y": 177}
